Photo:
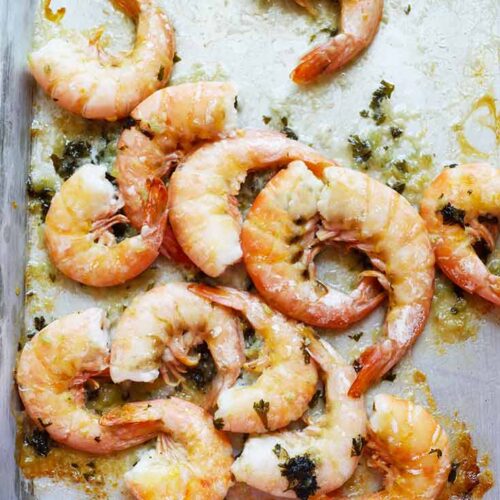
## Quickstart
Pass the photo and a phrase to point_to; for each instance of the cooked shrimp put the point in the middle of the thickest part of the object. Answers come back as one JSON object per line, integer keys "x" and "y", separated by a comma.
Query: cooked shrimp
{"x": 279, "y": 244}
{"x": 319, "y": 458}
{"x": 77, "y": 230}
{"x": 409, "y": 446}
{"x": 202, "y": 205}
{"x": 351, "y": 207}
{"x": 192, "y": 458}
{"x": 287, "y": 376}
{"x": 51, "y": 373}
{"x": 461, "y": 208}
{"x": 359, "y": 24}
{"x": 168, "y": 123}
{"x": 160, "y": 327}
{"x": 82, "y": 79}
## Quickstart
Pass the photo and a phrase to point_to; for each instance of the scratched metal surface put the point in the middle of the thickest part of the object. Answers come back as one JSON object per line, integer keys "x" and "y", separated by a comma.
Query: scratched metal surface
{"x": 442, "y": 58}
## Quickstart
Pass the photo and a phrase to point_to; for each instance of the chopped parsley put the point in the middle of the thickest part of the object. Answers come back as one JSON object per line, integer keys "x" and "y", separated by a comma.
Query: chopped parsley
{"x": 382, "y": 93}
{"x": 262, "y": 409}
{"x": 300, "y": 472}
{"x": 361, "y": 148}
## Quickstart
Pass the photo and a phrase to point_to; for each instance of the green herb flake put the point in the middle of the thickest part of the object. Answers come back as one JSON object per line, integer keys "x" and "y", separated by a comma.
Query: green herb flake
{"x": 382, "y": 93}
{"x": 358, "y": 443}
{"x": 396, "y": 132}
{"x": 398, "y": 186}
{"x": 361, "y": 148}
{"x": 262, "y": 409}
{"x": 300, "y": 472}
{"x": 266, "y": 119}
{"x": 407, "y": 9}
{"x": 364, "y": 113}
{"x": 280, "y": 452}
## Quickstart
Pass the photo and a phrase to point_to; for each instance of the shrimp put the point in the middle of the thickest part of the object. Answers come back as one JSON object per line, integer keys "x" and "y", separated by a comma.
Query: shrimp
{"x": 77, "y": 230}
{"x": 407, "y": 444}
{"x": 202, "y": 205}
{"x": 192, "y": 459}
{"x": 170, "y": 120}
{"x": 287, "y": 376}
{"x": 294, "y": 209}
{"x": 161, "y": 326}
{"x": 462, "y": 208}
{"x": 359, "y": 24}
{"x": 82, "y": 79}
{"x": 319, "y": 458}
{"x": 51, "y": 373}
{"x": 279, "y": 245}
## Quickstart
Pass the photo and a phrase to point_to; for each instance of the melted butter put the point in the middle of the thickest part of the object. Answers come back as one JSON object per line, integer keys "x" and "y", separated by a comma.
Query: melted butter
{"x": 455, "y": 318}
{"x": 481, "y": 121}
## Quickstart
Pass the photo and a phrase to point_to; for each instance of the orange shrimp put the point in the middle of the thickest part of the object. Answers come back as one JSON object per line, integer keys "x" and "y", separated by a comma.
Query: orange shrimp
{"x": 168, "y": 124}
{"x": 51, "y": 373}
{"x": 78, "y": 236}
{"x": 367, "y": 215}
{"x": 359, "y": 23}
{"x": 461, "y": 208}
{"x": 84, "y": 80}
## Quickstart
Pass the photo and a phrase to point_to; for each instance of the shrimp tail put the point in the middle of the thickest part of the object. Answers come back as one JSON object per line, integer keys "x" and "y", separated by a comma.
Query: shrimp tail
{"x": 131, "y": 8}
{"x": 324, "y": 59}
{"x": 375, "y": 362}
{"x": 156, "y": 207}
{"x": 224, "y": 296}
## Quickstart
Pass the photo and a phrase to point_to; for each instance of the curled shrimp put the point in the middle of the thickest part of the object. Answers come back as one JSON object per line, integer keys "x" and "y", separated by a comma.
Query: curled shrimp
{"x": 168, "y": 123}
{"x": 78, "y": 236}
{"x": 159, "y": 329}
{"x": 408, "y": 445}
{"x": 202, "y": 205}
{"x": 287, "y": 376}
{"x": 192, "y": 459}
{"x": 279, "y": 244}
{"x": 462, "y": 208}
{"x": 51, "y": 373}
{"x": 323, "y": 450}
{"x": 82, "y": 79}
{"x": 295, "y": 209}
{"x": 359, "y": 24}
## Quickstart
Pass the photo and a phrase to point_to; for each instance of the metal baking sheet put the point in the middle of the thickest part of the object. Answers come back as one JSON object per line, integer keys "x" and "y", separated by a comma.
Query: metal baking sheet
{"x": 442, "y": 57}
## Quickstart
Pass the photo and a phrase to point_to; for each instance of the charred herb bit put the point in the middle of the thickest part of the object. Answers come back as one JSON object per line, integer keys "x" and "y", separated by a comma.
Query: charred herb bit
{"x": 266, "y": 119}
{"x": 161, "y": 73}
{"x": 92, "y": 389}
{"x": 437, "y": 451}
{"x": 396, "y": 132}
{"x": 452, "y": 215}
{"x": 451, "y": 165}
{"x": 331, "y": 32}
{"x": 235, "y": 104}
{"x": 177, "y": 58}
{"x": 40, "y": 441}
{"x": 356, "y": 364}
{"x": 358, "y": 443}
{"x": 262, "y": 409}
{"x": 356, "y": 336}
{"x": 204, "y": 372}
{"x": 300, "y": 474}
{"x": 39, "y": 322}
{"x": 390, "y": 376}
{"x": 398, "y": 186}
{"x": 73, "y": 154}
{"x": 452, "y": 476}
{"x": 129, "y": 122}
{"x": 364, "y": 113}
{"x": 361, "y": 148}
{"x": 408, "y": 9}
{"x": 401, "y": 165}
{"x": 287, "y": 130}
{"x": 219, "y": 423}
